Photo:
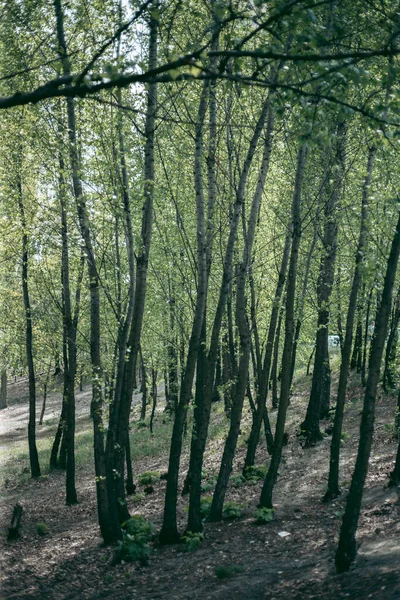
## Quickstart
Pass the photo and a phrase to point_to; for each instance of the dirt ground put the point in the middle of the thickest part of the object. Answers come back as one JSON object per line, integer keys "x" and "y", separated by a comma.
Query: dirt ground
{"x": 69, "y": 562}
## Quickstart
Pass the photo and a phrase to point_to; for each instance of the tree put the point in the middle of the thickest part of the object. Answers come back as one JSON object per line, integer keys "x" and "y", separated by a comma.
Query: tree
{"x": 270, "y": 479}
{"x": 346, "y": 551}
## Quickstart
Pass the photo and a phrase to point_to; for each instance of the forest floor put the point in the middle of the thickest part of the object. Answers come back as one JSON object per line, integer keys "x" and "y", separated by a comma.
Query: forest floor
{"x": 237, "y": 559}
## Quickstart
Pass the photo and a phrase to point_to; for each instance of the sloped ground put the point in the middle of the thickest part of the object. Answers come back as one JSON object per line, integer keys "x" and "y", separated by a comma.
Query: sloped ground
{"x": 70, "y": 563}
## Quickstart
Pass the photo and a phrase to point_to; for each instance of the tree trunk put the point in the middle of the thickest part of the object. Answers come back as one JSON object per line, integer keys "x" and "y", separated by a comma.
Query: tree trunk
{"x": 129, "y": 485}
{"x": 117, "y": 443}
{"x": 144, "y": 389}
{"x": 169, "y": 531}
{"x": 3, "y": 390}
{"x": 394, "y": 477}
{"x": 263, "y": 383}
{"x": 107, "y": 514}
{"x": 153, "y": 396}
{"x": 366, "y": 336}
{"x": 70, "y": 363}
{"x": 357, "y": 345}
{"x": 389, "y": 377}
{"x": 33, "y": 453}
{"x": 54, "y": 463}
{"x": 307, "y": 269}
{"x": 274, "y": 371}
{"x": 142, "y": 262}
{"x": 320, "y": 388}
{"x": 269, "y": 482}
{"x": 244, "y": 331}
{"x": 346, "y": 551}
{"x": 333, "y": 480}
{"x": 46, "y": 383}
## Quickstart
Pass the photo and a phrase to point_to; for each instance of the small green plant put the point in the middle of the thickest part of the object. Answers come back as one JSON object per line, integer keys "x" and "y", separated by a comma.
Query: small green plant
{"x": 237, "y": 480}
{"x": 137, "y": 532}
{"x": 207, "y": 485}
{"x": 232, "y": 510}
{"x": 42, "y": 528}
{"x": 205, "y": 506}
{"x": 148, "y": 477}
{"x": 344, "y": 437}
{"x": 226, "y": 572}
{"x": 136, "y": 498}
{"x": 192, "y": 541}
{"x": 142, "y": 425}
{"x": 256, "y": 472}
{"x": 331, "y": 413}
{"x": 264, "y": 515}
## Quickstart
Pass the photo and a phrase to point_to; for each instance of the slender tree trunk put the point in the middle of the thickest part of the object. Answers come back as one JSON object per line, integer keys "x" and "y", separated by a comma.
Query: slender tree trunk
{"x": 347, "y": 551}
{"x": 307, "y": 270}
{"x": 357, "y": 345}
{"x": 70, "y": 363}
{"x": 389, "y": 381}
{"x": 366, "y": 336}
{"x": 54, "y": 463}
{"x": 117, "y": 443}
{"x": 45, "y": 385}
{"x": 169, "y": 531}
{"x": 270, "y": 480}
{"x": 172, "y": 368}
{"x": 226, "y": 373}
{"x": 320, "y": 389}
{"x": 33, "y": 453}
{"x": 3, "y": 390}
{"x": 216, "y": 397}
{"x": 129, "y": 379}
{"x": 244, "y": 332}
{"x": 333, "y": 480}
{"x": 129, "y": 485}
{"x": 394, "y": 478}
{"x": 107, "y": 514}
{"x": 153, "y": 396}
{"x": 274, "y": 371}
{"x": 144, "y": 389}
{"x": 262, "y": 391}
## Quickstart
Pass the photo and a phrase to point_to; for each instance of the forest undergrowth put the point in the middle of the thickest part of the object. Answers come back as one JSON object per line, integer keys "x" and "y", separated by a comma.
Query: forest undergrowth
{"x": 286, "y": 554}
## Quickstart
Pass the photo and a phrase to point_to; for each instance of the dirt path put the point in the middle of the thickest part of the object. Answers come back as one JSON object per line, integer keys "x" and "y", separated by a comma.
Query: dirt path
{"x": 70, "y": 563}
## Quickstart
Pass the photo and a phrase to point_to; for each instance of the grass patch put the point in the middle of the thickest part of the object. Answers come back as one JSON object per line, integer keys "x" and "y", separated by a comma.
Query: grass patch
{"x": 256, "y": 472}
{"x": 192, "y": 541}
{"x": 148, "y": 478}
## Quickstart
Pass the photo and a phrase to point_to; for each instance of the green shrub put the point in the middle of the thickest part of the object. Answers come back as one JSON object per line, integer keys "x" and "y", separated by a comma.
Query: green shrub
{"x": 264, "y": 515}
{"x": 42, "y": 528}
{"x": 256, "y": 472}
{"x": 237, "y": 480}
{"x": 137, "y": 532}
{"x": 148, "y": 477}
{"x": 192, "y": 541}
{"x": 232, "y": 510}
